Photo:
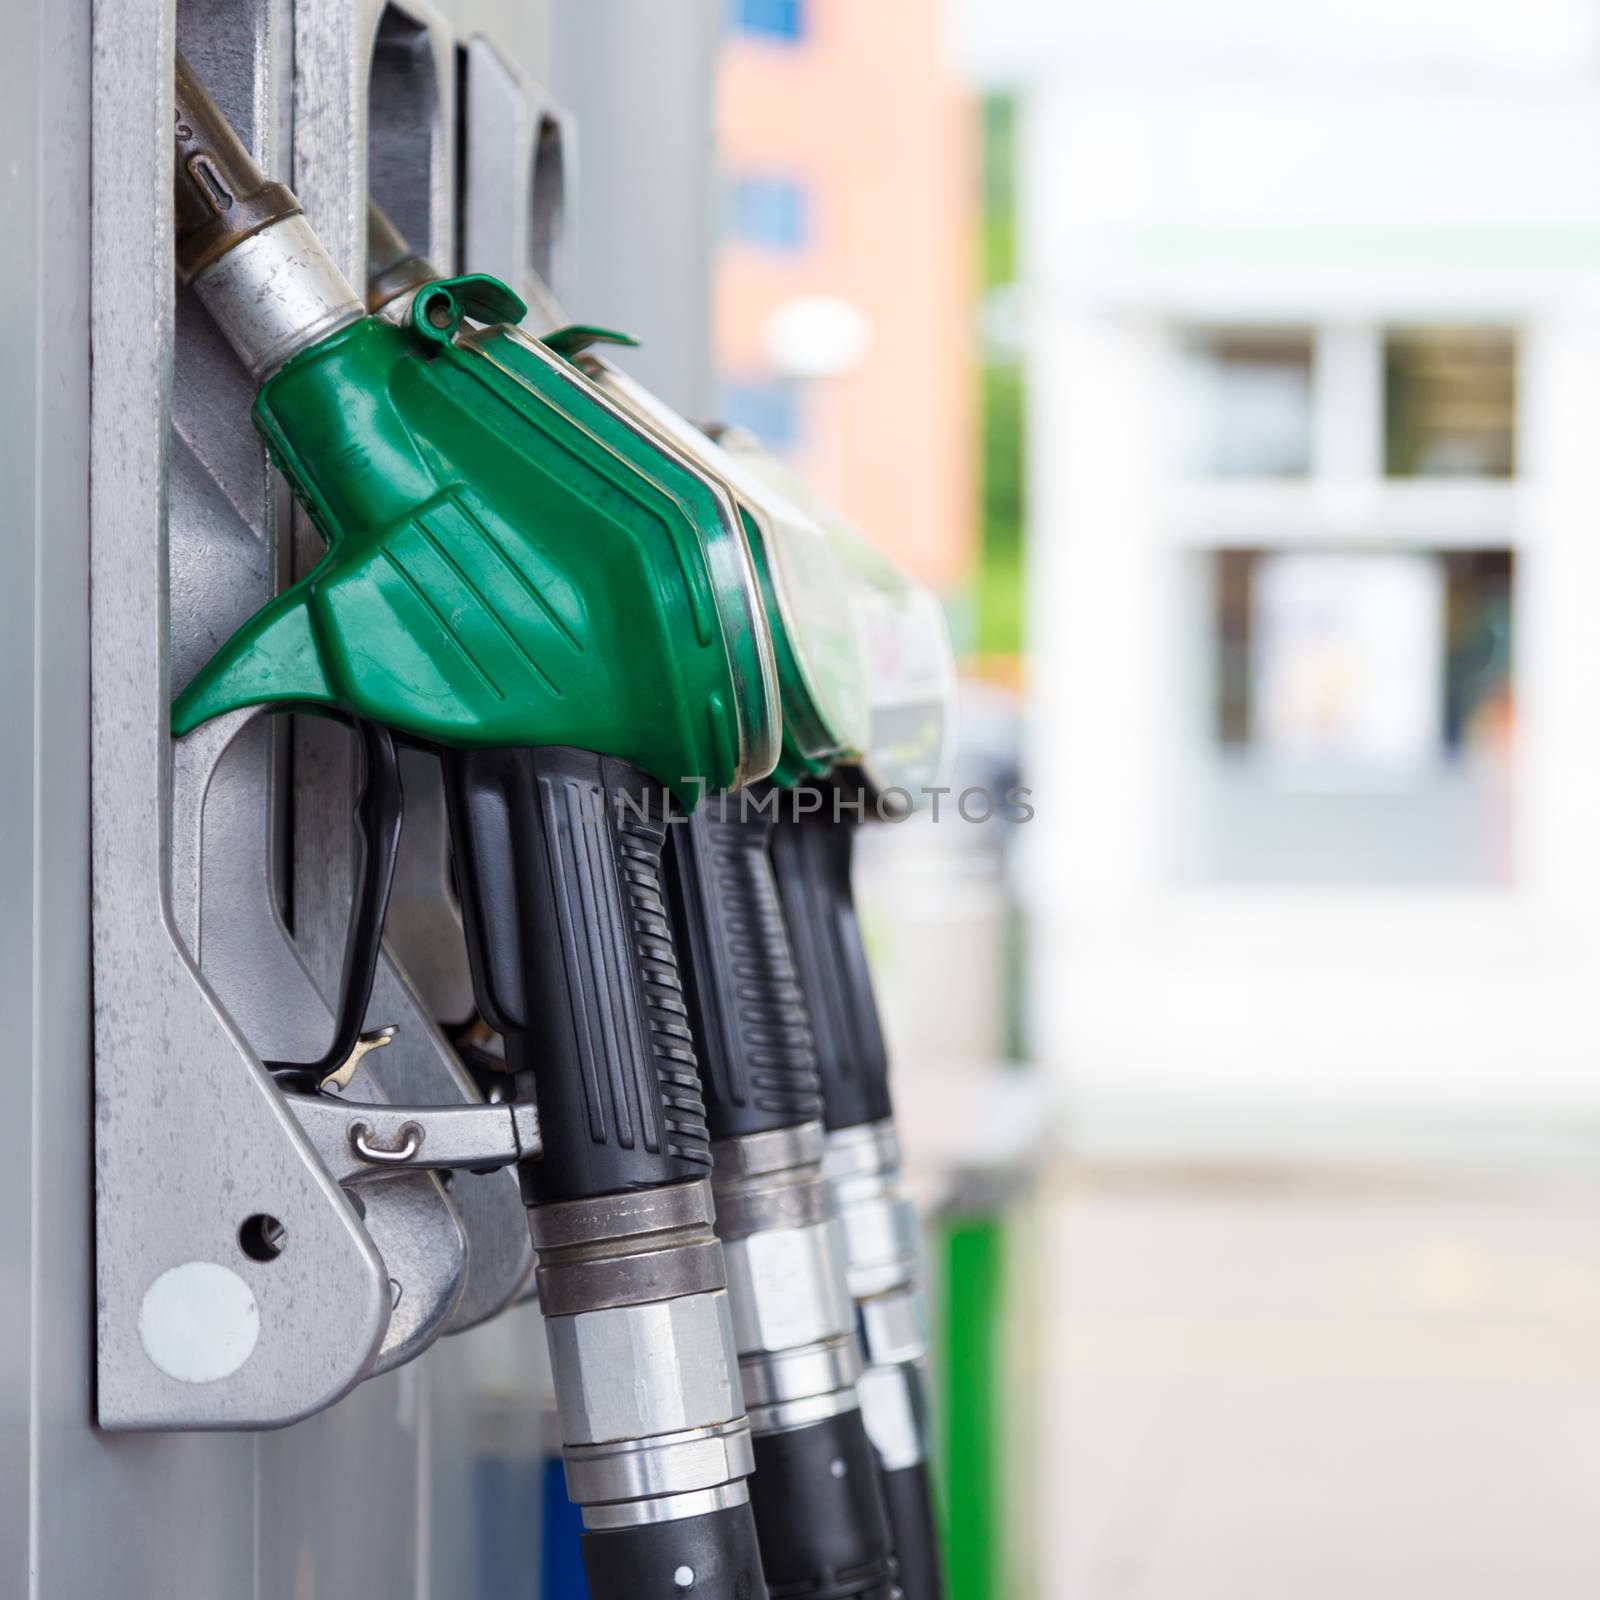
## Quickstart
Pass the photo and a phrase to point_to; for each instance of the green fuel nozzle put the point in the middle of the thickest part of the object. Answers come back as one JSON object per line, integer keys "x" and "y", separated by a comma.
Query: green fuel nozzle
{"x": 509, "y": 562}
{"x": 561, "y": 604}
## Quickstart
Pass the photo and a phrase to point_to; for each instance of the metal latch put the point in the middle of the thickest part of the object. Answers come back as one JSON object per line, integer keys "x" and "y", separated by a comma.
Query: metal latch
{"x": 357, "y": 1141}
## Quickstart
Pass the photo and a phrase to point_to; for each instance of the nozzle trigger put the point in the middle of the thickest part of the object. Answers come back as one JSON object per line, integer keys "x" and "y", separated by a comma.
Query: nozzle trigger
{"x": 378, "y": 815}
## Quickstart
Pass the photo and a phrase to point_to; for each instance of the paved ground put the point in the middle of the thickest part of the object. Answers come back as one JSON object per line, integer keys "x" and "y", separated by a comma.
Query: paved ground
{"x": 1319, "y": 1386}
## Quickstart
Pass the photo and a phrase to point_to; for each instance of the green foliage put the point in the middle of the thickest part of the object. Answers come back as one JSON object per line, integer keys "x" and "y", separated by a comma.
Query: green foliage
{"x": 1001, "y": 399}
{"x": 998, "y": 209}
{"x": 1000, "y": 570}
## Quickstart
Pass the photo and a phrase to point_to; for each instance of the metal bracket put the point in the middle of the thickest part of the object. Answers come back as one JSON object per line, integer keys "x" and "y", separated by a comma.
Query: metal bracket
{"x": 236, "y": 1286}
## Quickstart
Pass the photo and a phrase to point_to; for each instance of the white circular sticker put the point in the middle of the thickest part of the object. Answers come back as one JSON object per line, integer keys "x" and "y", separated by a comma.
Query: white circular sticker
{"x": 199, "y": 1322}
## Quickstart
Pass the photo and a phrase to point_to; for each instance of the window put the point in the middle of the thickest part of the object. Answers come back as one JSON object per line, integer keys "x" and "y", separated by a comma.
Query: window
{"x": 1450, "y": 403}
{"x": 1246, "y": 404}
{"x": 768, "y": 408}
{"x": 768, "y": 19}
{"x": 767, "y": 211}
{"x": 1361, "y": 713}
{"x": 1384, "y": 659}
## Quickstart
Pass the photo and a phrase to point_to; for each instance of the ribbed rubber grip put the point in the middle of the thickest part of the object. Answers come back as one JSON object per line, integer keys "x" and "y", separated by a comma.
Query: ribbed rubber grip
{"x": 709, "y": 1557}
{"x": 758, "y": 1066}
{"x": 819, "y": 1513}
{"x": 811, "y": 859}
{"x": 908, "y": 1497}
{"x": 558, "y": 864}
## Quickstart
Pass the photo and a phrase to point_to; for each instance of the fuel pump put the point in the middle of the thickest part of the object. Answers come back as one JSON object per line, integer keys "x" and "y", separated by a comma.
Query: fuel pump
{"x": 562, "y": 606}
{"x": 820, "y": 1517}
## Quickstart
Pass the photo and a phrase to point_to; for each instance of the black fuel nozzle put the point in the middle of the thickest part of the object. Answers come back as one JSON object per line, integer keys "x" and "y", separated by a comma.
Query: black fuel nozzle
{"x": 820, "y": 1517}
{"x": 813, "y": 850}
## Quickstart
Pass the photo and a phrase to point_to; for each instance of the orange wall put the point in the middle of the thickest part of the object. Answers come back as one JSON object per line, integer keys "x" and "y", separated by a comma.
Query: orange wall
{"x": 866, "y": 113}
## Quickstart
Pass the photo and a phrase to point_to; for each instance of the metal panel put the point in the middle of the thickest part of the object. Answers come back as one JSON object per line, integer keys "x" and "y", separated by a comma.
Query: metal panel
{"x": 384, "y": 1492}
{"x": 179, "y": 1090}
{"x": 44, "y": 794}
{"x": 637, "y": 79}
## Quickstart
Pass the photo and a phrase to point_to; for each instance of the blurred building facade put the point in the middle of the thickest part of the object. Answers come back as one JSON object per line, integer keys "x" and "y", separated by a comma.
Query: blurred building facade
{"x": 1313, "y": 332}
{"x": 844, "y": 276}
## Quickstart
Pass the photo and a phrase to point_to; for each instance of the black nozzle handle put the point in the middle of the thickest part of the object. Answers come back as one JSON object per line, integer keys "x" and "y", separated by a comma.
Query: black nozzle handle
{"x": 908, "y": 1497}
{"x": 758, "y": 1066}
{"x": 558, "y": 864}
{"x": 709, "y": 1557}
{"x": 811, "y": 855}
{"x": 819, "y": 1512}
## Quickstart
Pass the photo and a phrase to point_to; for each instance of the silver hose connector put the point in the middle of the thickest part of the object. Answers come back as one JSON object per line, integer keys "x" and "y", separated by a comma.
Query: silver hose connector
{"x": 793, "y": 1319}
{"x": 275, "y": 294}
{"x": 883, "y": 1262}
{"x": 635, "y": 1299}
{"x": 259, "y": 269}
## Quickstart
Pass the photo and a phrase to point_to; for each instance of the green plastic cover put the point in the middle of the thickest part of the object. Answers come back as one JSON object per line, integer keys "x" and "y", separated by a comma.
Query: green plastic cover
{"x": 905, "y": 644}
{"x": 805, "y": 583}
{"x": 510, "y": 561}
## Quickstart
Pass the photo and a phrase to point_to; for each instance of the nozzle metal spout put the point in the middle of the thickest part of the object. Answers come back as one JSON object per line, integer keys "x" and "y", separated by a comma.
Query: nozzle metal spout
{"x": 222, "y": 195}
{"x": 393, "y": 267}
{"x": 242, "y": 241}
